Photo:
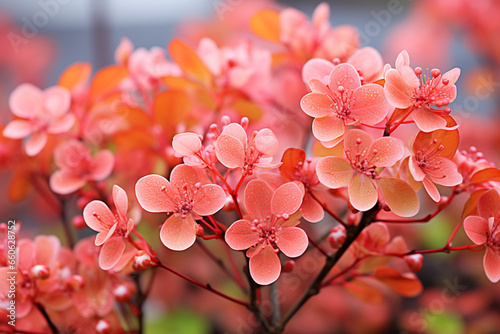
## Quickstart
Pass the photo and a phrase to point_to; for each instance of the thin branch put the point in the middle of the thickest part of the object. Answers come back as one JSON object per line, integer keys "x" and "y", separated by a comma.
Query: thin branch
{"x": 52, "y": 326}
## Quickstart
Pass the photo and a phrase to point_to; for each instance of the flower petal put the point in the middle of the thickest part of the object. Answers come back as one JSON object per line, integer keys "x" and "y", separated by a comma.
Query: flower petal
{"x": 17, "y": 129}
{"x": 317, "y": 86}
{"x": 258, "y": 196}
{"x": 431, "y": 189}
{"x": 489, "y": 204}
{"x": 25, "y": 101}
{"x": 182, "y": 175}
{"x": 56, "y": 101}
{"x": 444, "y": 172}
{"x": 209, "y": 199}
{"x": 476, "y": 229}
{"x": 398, "y": 93}
{"x": 344, "y": 75}
{"x": 292, "y": 241}
{"x": 239, "y": 235}
{"x": 316, "y": 68}
{"x": 328, "y": 128}
{"x": 362, "y": 193}
{"x": 177, "y": 233}
{"x": 111, "y": 252}
{"x": 370, "y": 104}
{"x": 155, "y": 194}
{"x": 121, "y": 201}
{"x": 64, "y": 183}
{"x": 47, "y": 249}
{"x": 409, "y": 76}
{"x": 428, "y": 121}
{"x": 235, "y": 130}
{"x": 311, "y": 210}
{"x": 98, "y": 216}
{"x": 186, "y": 144}
{"x": 357, "y": 141}
{"x": 491, "y": 263}
{"x": 36, "y": 143}
{"x": 388, "y": 152}
{"x": 62, "y": 124}
{"x": 317, "y": 104}
{"x": 369, "y": 61}
{"x": 400, "y": 196}
{"x": 265, "y": 267}
{"x": 102, "y": 165}
{"x": 230, "y": 151}
{"x": 266, "y": 142}
{"x": 334, "y": 172}
{"x": 417, "y": 172}
{"x": 287, "y": 199}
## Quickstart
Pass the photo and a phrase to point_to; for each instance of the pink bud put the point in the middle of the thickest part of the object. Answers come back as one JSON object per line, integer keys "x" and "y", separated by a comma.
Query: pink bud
{"x": 288, "y": 266}
{"x": 122, "y": 293}
{"x": 352, "y": 219}
{"x": 337, "y": 236}
{"x": 435, "y": 72}
{"x": 79, "y": 222}
{"x": 103, "y": 327}
{"x": 75, "y": 282}
{"x": 82, "y": 202}
{"x": 199, "y": 231}
{"x": 142, "y": 261}
{"x": 40, "y": 271}
{"x": 414, "y": 261}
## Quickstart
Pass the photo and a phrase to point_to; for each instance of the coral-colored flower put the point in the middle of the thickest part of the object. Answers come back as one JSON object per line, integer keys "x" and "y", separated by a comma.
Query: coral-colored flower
{"x": 41, "y": 113}
{"x": 113, "y": 228}
{"x": 484, "y": 229}
{"x": 186, "y": 197}
{"x": 431, "y": 160}
{"x": 359, "y": 172}
{"x": 410, "y": 89}
{"x": 77, "y": 166}
{"x": 234, "y": 150}
{"x": 269, "y": 230}
{"x": 342, "y": 102}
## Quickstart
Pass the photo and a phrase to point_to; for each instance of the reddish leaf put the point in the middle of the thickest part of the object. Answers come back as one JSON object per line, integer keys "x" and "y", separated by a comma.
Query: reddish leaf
{"x": 74, "y": 75}
{"x": 485, "y": 175}
{"x": 406, "y": 284}
{"x": 189, "y": 61}
{"x": 449, "y": 139}
{"x": 362, "y": 289}
{"x": 470, "y": 207}
{"x": 171, "y": 108}
{"x": 290, "y": 159}
{"x": 107, "y": 79}
{"x": 247, "y": 108}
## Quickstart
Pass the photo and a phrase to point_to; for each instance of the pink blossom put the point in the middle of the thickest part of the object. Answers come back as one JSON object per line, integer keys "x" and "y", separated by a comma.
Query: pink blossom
{"x": 360, "y": 172}
{"x": 41, "y": 113}
{"x": 77, "y": 166}
{"x": 186, "y": 197}
{"x": 269, "y": 230}
{"x": 342, "y": 102}
{"x": 410, "y": 89}
{"x": 483, "y": 229}
{"x": 113, "y": 228}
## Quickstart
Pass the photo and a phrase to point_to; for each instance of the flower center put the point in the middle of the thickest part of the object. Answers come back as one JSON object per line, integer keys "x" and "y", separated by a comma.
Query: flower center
{"x": 361, "y": 162}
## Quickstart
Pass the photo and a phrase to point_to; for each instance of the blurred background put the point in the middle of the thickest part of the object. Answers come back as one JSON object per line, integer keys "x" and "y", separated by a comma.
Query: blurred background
{"x": 39, "y": 39}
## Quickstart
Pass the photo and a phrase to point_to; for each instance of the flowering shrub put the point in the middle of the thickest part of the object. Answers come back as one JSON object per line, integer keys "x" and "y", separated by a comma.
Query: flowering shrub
{"x": 246, "y": 151}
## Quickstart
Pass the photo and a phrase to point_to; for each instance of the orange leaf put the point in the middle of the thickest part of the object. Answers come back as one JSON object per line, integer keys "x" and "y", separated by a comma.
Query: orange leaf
{"x": 362, "y": 289}
{"x": 20, "y": 185}
{"x": 74, "y": 75}
{"x": 290, "y": 159}
{"x": 134, "y": 139}
{"x": 171, "y": 108}
{"x": 247, "y": 108}
{"x": 189, "y": 61}
{"x": 485, "y": 175}
{"x": 406, "y": 284}
{"x": 179, "y": 83}
{"x": 266, "y": 25}
{"x": 470, "y": 207}
{"x": 449, "y": 139}
{"x": 107, "y": 79}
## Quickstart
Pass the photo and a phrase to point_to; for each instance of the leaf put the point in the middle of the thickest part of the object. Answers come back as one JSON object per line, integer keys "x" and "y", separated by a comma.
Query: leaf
{"x": 470, "y": 207}
{"x": 74, "y": 75}
{"x": 290, "y": 159}
{"x": 449, "y": 139}
{"x": 189, "y": 61}
{"x": 406, "y": 284}
{"x": 485, "y": 175}
{"x": 361, "y": 289}
{"x": 107, "y": 79}
{"x": 247, "y": 108}
{"x": 266, "y": 25}
{"x": 179, "y": 82}
{"x": 171, "y": 108}
{"x": 20, "y": 185}
{"x": 134, "y": 139}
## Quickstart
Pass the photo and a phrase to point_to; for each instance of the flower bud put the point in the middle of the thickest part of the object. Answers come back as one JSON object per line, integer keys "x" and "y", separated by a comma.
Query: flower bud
{"x": 75, "y": 282}
{"x": 199, "y": 231}
{"x": 288, "y": 266}
{"x": 103, "y": 327}
{"x": 79, "y": 222}
{"x": 337, "y": 236}
{"x": 414, "y": 261}
{"x": 122, "y": 293}
{"x": 40, "y": 271}
{"x": 142, "y": 261}
{"x": 352, "y": 219}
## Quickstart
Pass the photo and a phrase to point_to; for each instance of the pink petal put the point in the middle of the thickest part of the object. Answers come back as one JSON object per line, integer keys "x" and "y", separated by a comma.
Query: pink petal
{"x": 154, "y": 193}
{"x": 184, "y": 174}
{"x": 25, "y": 101}
{"x": 321, "y": 14}
{"x": 209, "y": 53}
{"x": 362, "y": 193}
{"x": 18, "y": 129}
{"x": 209, "y": 199}
{"x": 446, "y": 92}
{"x": 369, "y": 61}
{"x": 334, "y": 172}
{"x": 102, "y": 237}
{"x": 258, "y": 196}
{"x": 317, "y": 104}
{"x": 328, "y": 128}
{"x": 272, "y": 179}
{"x": 370, "y": 104}
{"x": 186, "y": 144}
{"x": 332, "y": 143}
{"x": 111, "y": 252}
{"x": 230, "y": 151}
{"x": 397, "y": 92}
{"x": 121, "y": 201}
{"x": 239, "y": 235}
{"x": 25, "y": 254}
{"x": 106, "y": 217}
{"x": 102, "y": 165}
{"x": 428, "y": 121}
{"x": 417, "y": 172}
{"x": 266, "y": 142}
{"x": 400, "y": 196}
{"x": 403, "y": 59}
{"x": 287, "y": 199}
{"x": 56, "y": 101}
{"x": 476, "y": 229}
{"x": 431, "y": 189}
{"x": 47, "y": 249}
{"x": 388, "y": 152}
{"x": 64, "y": 183}
{"x": 36, "y": 143}
{"x": 265, "y": 267}
{"x": 444, "y": 172}
{"x": 311, "y": 210}
{"x": 409, "y": 76}
{"x": 491, "y": 263}
{"x": 62, "y": 124}
{"x": 235, "y": 130}
{"x": 344, "y": 75}
{"x": 489, "y": 204}
{"x": 452, "y": 76}
{"x": 318, "y": 86}
{"x": 357, "y": 141}
{"x": 292, "y": 241}
{"x": 316, "y": 68}
{"x": 177, "y": 233}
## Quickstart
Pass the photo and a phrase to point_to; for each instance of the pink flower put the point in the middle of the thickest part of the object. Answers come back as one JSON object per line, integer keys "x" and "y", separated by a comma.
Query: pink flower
{"x": 360, "y": 172}
{"x": 184, "y": 196}
{"x": 406, "y": 88}
{"x": 342, "y": 102}
{"x": 235, "y": 151}
{"x": 77, "y": 166}
{"x": 41, "y": 113}
{"x": 112, "y": 228}
{"x": 484, "y": 230}
{"x": 270, "y": 230}
{"x": 431, "y": 161}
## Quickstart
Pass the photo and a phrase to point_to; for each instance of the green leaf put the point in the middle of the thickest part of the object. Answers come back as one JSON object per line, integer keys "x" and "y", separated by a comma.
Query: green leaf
{"x": 179, "y": 322}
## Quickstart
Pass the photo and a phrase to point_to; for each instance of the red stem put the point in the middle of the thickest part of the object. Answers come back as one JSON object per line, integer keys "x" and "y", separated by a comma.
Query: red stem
{"x": 327, "y": 209}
